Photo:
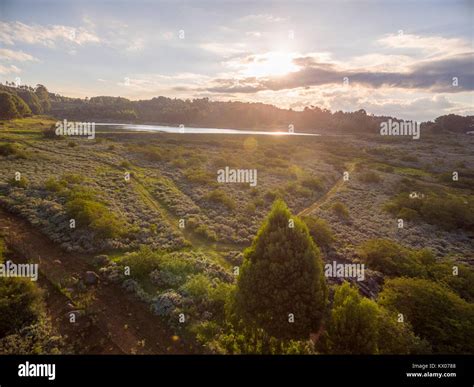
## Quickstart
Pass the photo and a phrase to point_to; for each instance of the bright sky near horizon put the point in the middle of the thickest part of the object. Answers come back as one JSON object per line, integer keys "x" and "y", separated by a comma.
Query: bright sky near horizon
{"x": 413, "y": 60}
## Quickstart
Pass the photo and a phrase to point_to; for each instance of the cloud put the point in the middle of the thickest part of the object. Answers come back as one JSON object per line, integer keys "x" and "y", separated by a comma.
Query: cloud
{"x": 261, "y": 18}
{"x": 432, "y": 75}
{"x": 12, "y": 32}
{"x": 430, "y": 46}
{"x": 9, "y": 69}
{"x": 15, "y": 56}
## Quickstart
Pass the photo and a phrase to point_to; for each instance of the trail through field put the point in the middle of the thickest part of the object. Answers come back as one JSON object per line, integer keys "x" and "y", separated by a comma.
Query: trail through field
{"x": 323, "y": 199}
{"x": 121, "y": 324}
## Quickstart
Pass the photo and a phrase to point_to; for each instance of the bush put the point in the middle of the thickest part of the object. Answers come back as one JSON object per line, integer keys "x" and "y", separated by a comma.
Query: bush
{"x": 447, "y": 212}
{"x": 220, "y": 196}
{"x": 88, "y": 212}
{"x": 198, "y": 286}
{"x": 391, "y": 258}
{"x": 320, "y": 231}
{"x": 22, "y": 183}
{"x": 141, "y": 262}
{"x": 239, "y": 341}
{"x": 54, "y": 185}
{"x": 357, "y": 325}
{"x": 21, "y": 304}
{"x": 8, "y": 149}
{"x": 312, "y": 183}
{"x": 341, "y": 211}
{"x": 436, "y": 313}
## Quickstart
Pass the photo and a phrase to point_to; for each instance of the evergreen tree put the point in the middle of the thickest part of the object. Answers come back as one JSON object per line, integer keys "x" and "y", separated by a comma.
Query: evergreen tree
{"x": 281, "y": 287}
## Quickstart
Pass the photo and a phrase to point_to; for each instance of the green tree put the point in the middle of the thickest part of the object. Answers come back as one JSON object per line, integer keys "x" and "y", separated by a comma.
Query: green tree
{"x": 436, "y": 313}
{"x": 358, "y": 325}
{"x": 12, "y": 106}
{"x": 43, "y": 95}
{"x": 352, "y": 328}
{"x": 282, "y": 277}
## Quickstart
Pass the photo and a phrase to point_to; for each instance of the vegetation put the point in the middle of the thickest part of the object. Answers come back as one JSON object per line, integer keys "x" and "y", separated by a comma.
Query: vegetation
{"x": 436, "y": 313}
{"x": 341, "y": 211}
{"x": 358, "y": 325}
{"x": 320, "y": 231}
{"x": 446, "y": 211}
{"x": 281, "y": 275}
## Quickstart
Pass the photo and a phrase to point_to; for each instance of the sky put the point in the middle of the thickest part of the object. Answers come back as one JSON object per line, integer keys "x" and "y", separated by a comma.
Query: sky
{"x": 409, "y": 59}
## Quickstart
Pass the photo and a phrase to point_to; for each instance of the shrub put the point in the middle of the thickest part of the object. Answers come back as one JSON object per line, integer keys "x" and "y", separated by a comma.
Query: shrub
{"x": 21, "y": 183}
{"x": 220, "y": 196}
{"x": 198, "y": 286}
{"x": 90, "y": 213}
{"x": 54, "y": 185}
{"x": 391, "y": 258}
{"x": 8, "y": 149}
{"x": 312, "y": 183}
{"x": 357, "y": 325}
{"x": 320, "y": 231}
{"x": 21, "y": 304}
{"x": 341, "y": 211}
{"x": 447, "y": 212}
{"x": 436, "y": 313}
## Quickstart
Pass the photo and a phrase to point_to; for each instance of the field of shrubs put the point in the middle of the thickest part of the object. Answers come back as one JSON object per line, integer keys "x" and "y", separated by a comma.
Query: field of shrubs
{"x": 149, "y": 212}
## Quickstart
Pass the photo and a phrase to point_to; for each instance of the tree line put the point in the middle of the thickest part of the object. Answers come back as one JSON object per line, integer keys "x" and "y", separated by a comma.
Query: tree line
{"x": 20, "y": 101}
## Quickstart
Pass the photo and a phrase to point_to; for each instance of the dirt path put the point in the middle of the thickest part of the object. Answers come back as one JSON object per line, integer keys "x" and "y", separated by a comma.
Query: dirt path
{"x": 323, "y": 199}
{"x": 120, "y": 323}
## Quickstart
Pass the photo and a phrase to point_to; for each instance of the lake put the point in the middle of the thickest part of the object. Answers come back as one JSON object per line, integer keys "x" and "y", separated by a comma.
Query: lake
{"x": 190, "y": 130}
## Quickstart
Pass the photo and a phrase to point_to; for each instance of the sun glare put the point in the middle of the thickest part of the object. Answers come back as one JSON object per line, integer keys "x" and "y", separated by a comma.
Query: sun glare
{"x": 270, "y": 64}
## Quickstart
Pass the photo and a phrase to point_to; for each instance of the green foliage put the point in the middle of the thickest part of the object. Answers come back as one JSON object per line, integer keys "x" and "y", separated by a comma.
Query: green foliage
{"x": 341, "y": 211}
{"x": 198, "y": 286}
{"x": 257, "y": 342}
{"x": 282, "y": 274}
{"x": 21, "y": 304}
{"x": 88, "y": 212}
{"x": 31, "y": 99}
{"x": 352, "y": 327}
{"x": 21, "y": 183}
{"x": 357, "y": 325}
{"x": 36, "y": 339}
{"x": 219, "y": 196}
{"x": 321, "y": 232}
{"x": 462, "y": 281}
{"x": 12, "y": 106}
{"x": 446, "y": 211}
{"x": 435, "y": 312}
{"x": 198, "y": 176}
{"x": 8, "y": 149}
{"x": 201, "y": 229}
{"x": 391, "y": 258}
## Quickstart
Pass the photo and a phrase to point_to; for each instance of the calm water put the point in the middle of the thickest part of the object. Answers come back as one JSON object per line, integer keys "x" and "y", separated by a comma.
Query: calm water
{"x": 175, "y": 129}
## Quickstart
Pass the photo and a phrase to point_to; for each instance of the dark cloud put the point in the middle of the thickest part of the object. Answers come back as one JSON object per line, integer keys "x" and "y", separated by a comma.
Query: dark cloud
{"x": 436, "y": 76}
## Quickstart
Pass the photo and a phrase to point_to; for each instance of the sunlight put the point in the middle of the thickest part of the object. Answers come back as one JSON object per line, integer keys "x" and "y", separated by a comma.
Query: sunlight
{"x": 270, "y": 64}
